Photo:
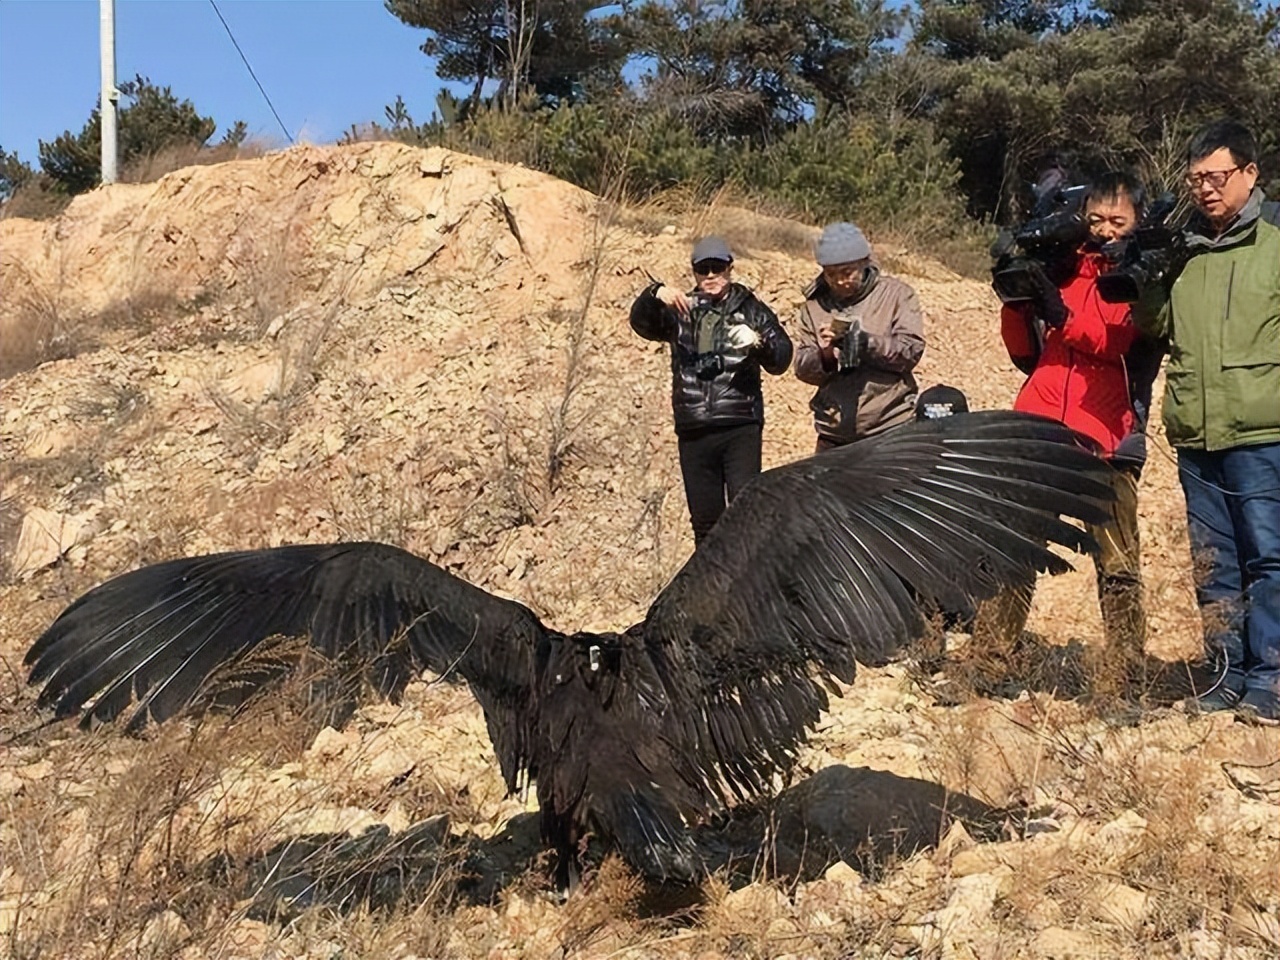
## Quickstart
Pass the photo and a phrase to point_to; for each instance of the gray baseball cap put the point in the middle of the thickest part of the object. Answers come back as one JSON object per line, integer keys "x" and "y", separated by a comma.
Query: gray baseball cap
{"x": 841, "y": 243}
{"x": 711, "y": 248}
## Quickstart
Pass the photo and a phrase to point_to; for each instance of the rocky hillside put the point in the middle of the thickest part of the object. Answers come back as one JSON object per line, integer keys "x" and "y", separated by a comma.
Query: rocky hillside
{"x": 374, "y": 341}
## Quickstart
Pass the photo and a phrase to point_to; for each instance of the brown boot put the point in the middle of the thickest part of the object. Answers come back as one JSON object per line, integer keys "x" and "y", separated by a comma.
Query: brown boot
{"x": 1118, "y": 670}
{"x": 990, "y": 657}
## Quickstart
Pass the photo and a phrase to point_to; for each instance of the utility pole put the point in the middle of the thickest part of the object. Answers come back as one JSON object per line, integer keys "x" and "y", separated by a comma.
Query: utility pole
{"x": 110, "y": 95}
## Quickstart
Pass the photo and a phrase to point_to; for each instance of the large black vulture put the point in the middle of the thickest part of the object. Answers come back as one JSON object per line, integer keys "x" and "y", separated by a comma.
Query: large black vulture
{"x": 633, "y": 736}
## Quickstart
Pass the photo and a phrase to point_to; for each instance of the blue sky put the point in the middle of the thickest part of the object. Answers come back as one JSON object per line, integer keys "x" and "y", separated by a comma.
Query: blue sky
{"x": 325, "y": 64}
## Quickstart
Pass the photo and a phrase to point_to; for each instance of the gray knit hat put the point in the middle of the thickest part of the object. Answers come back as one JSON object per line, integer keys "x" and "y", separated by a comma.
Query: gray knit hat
{"x": 711, "y": 248}
{"x": 841, "y": 243}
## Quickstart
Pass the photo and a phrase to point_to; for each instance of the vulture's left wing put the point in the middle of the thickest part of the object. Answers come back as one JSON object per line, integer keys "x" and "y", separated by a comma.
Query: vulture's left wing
{"x": 156, "y": 637}
{"x": 824, "y": 562}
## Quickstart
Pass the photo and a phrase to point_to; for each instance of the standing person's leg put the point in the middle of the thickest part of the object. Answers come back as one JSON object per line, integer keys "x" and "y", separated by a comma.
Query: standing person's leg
{"x": 741, "y": 457}
{"x": 1253, "y": 476}
{"x": 1215, "y": 562}
{"x": 990, "y": 658}
{"x": 999, "y": 622}
{"x": 702, "y": 469}
{"x": 1119, "y": 571}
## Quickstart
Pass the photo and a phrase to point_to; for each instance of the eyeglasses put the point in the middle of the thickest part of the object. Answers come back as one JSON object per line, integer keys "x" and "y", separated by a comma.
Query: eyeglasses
{"x": 1217, "y": 179}
{"x": 843, "y": 272}
{"x": 711, "y": 268}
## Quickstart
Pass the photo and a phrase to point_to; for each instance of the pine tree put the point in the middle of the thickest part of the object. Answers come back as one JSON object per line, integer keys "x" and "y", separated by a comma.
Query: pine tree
{"x": 151, "y": 119}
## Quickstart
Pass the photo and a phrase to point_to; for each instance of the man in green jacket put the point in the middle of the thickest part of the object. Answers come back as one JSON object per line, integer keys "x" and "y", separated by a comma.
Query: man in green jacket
{"x": 1222, "y": 413}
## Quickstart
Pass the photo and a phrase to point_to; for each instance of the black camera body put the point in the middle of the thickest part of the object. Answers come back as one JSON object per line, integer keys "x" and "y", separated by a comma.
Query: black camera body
{"x": 1154, "y": 251}
{"x": 708, "y": 366}
{"x": 1030, "y": 259}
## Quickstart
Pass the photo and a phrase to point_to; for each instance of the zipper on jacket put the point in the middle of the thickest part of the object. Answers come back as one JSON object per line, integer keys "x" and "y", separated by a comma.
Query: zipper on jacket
{"x": 1066, "y": 383}
{"x": 1222, "y": 347}
{"x": 1226, "y": 306}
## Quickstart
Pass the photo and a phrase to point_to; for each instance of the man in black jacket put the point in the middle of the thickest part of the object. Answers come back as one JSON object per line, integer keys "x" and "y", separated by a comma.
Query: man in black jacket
{"x": 720, "y": 337}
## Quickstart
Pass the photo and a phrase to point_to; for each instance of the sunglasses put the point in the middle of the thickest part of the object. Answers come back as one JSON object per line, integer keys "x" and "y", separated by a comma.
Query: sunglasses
{"x": 1217, "y": 179}
{"x": 711, "y": 268}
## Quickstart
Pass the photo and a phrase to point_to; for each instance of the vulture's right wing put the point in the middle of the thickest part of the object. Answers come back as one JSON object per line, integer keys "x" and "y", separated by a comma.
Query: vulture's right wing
{"x": 823, "y": 562}
{"x": 156, "y": 635}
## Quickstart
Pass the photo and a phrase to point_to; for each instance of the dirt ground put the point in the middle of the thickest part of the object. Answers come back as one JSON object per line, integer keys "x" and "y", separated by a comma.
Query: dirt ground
{"x": 379, "y": 342}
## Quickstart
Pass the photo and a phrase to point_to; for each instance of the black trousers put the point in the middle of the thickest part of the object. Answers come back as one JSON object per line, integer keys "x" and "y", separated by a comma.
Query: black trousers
{"x": 716, "y": 462}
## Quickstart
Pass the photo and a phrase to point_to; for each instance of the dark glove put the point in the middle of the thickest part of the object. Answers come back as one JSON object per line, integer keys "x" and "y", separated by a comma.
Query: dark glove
{"x": 1049, "y": 306}
{"x": 852, "y": 347}
{"x": 1131, "y": 453}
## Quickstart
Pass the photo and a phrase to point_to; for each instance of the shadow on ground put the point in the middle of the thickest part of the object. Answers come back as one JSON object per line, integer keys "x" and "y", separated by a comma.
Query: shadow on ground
{"x": 1068, "y": 672}
{"x": 867, "y": 818}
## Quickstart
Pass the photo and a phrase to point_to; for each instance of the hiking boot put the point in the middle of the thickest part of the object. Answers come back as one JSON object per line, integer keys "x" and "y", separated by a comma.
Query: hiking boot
{"x": 1259, "y": 707}
{"x": 1215, "y": 701}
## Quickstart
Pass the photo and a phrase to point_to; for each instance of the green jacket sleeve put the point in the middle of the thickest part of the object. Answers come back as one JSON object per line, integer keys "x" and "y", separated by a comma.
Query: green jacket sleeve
{"x": 1151, "y": 312}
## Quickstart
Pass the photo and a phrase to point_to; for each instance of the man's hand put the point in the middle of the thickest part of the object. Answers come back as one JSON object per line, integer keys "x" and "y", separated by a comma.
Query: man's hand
{"x": 740, "y": 336}
{"x": 673, "y": 298}
{"x": 827, "y": 340}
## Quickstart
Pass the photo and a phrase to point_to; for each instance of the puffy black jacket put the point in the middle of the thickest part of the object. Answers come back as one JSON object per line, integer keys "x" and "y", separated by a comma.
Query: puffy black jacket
{"x": 713, "y": 383}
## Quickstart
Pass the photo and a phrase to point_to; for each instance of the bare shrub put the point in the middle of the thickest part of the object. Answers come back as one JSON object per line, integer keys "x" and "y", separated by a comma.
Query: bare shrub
{"x": 377, "y": 506}
{"x": 34, "y": 325}
{"x": 520, "y": 488}
{"x": 37, "y": 199}
{"x": 110, "y": 402}
{"x": 10, "y": 528}
{"x": 147, "y": 168}
{"x": 250, "y": 427}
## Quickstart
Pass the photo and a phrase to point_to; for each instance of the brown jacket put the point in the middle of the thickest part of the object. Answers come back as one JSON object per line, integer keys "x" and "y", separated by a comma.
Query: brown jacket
{"x": 881, "y": 392}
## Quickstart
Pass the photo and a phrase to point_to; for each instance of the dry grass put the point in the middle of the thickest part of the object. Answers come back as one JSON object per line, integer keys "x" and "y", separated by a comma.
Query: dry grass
{"x": 173, "y": 824}
{"x": 746, "y": 222}
{"x": 1138, "y": 808}
{"x": 34, "y": 326}
{"x": 10, "y": 527}
{"x": 152, "y": 166}
{"x": 751, "y": 224}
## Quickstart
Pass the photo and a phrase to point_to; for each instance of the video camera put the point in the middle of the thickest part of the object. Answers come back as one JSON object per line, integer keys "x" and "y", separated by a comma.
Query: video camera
{"x": 1029, "y": 258}
{"x": 1151, "y": 253}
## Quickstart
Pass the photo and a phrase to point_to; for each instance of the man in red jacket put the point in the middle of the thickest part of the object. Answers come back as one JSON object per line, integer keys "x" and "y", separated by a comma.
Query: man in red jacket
{"x": 1079, "y": 374}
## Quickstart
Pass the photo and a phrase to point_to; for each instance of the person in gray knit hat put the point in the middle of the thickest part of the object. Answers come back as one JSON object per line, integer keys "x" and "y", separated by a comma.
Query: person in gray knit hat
{"x": 858, "y": 338}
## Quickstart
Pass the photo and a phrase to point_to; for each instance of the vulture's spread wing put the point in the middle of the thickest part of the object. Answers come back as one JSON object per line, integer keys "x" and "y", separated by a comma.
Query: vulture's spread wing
{"x": 821, "y": 563}
{"x": 157, "y": 634}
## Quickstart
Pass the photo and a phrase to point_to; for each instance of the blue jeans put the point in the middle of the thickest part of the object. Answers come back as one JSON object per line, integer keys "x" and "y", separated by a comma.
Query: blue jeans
{"x": 1233, "y": 517}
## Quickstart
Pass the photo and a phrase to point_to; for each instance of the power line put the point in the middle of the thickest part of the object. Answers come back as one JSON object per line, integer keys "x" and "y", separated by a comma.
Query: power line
{"x": 225, "y": 26}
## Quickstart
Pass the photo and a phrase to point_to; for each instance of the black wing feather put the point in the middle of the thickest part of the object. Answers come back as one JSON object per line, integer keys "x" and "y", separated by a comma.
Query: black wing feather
{"x": 157, "y": 635}
{"x": 823, "y": 562}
